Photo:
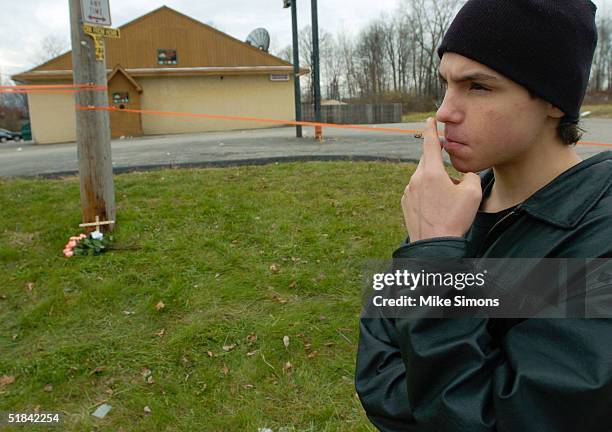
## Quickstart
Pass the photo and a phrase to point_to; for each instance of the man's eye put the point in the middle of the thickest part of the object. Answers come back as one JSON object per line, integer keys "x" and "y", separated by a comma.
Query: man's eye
{"x": 476, "y": 86}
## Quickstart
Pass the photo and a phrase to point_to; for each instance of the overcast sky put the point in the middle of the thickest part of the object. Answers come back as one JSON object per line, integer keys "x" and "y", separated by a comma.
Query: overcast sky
{"x": 26, "y": 23}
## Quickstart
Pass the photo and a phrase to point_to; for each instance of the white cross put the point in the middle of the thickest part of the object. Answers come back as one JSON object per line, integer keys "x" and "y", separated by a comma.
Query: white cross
{"x": 97, "y": 223}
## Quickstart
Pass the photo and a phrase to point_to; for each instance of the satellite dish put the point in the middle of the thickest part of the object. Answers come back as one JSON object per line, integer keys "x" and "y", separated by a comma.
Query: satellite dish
{"x": 259, "y": 38}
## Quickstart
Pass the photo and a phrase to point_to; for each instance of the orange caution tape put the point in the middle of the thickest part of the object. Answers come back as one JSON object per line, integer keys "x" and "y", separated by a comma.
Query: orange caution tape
{"x": 52, "y": 88}
{"x": 250, "y": 119}
{"x": 39, "y": 91}
{"x": 275, "y": 121}
{"x": 55, "y": 86}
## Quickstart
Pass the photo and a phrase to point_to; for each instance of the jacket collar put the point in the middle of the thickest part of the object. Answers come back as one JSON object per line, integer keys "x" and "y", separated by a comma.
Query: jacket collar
{"x": 565, "y": 200}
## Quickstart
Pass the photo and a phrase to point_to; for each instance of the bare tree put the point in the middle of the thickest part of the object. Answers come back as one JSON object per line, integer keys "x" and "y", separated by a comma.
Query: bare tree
{"x": 13, "y": 106}
{"x": 601, "y": 71}
{"x": 305, "y": 48}
{"x": 429, "y": 21}
{"x": 391, "y": 58}
{"x": 369, "y": 49}
{"x": 346, "y": 53}
{"x": 285, "y": 54}
{"x": 51, "y": 46}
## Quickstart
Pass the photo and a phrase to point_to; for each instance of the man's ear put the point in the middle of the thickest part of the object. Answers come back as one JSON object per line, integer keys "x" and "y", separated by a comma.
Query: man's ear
{"x": 554, "y": 112}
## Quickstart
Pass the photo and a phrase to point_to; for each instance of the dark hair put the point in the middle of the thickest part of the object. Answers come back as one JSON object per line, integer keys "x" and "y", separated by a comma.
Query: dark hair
{"x": 568, "y": 130}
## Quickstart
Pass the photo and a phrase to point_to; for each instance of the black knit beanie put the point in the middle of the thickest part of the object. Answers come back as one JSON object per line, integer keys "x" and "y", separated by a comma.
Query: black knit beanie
{"x": 547, "y": 46}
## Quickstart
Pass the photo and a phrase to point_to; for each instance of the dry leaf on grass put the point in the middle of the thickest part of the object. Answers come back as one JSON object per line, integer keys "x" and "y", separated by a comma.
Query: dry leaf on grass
{"x": 225, "y": 370}
{"x": 292, "y": 285}
{"x": 252, "y": 353}
{"x": 278, "y": 299}
{"x": 286, "y": 341}
{"x": 248, "y": 386}
{"x": 147, "y": 410}
{"x": 160, "y": 333}
{"x": 274, "y": 268}
{"x": 160, "y": 305}
{"x": 313, "y": 354}
{"x": 287, "y": 367}
{"x": 6, "y": 380}
{"x": 210, "y": 353}
{"x": 228, "y": 348}
{"x": 30, "y": 286}
{"x": 251, "y": 337}
{"x": 48, "y": 388}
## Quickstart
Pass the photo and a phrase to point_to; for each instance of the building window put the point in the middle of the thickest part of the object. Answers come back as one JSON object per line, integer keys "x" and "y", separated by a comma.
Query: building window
{"x": 166, "y": 57}
{"x": 121, "y": 97}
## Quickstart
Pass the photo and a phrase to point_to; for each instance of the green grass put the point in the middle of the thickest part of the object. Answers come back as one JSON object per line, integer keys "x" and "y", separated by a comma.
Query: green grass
{"x": 598, "y": 111}
{"x": 417, "y": 116}
{"x": 207, "y": 239}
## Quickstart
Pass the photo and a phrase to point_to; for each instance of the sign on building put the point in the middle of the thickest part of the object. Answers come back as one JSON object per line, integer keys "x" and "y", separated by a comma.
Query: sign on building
{"x": 276, "y": 77}
{"x": 96, "y": 12}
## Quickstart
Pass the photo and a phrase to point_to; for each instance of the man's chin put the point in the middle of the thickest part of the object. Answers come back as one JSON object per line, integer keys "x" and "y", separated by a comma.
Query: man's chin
{"x": 466, "y": 166}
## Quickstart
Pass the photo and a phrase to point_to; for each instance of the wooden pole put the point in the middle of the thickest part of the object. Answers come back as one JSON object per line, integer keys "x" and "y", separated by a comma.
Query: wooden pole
{"x": 92, "y": 127}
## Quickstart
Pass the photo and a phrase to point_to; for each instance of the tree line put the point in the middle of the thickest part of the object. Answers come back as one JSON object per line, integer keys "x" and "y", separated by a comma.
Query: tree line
{"x": 393, "y": 58}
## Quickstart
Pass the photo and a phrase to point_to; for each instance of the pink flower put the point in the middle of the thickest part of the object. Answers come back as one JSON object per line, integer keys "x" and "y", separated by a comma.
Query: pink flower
{"x": 71, "y": 244}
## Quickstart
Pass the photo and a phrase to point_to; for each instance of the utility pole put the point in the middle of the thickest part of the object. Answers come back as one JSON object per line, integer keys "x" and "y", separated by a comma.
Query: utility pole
{"x": 92, "y": 127}
{"x": 296, "y": 65}
{"x": 315, "y": 65}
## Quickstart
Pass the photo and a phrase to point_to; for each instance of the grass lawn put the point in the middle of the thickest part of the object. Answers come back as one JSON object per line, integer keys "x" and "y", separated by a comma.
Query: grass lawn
{"x": 598, "y": 111}
{"x": 417, "y": 116}
{"x": 240, "y": 257}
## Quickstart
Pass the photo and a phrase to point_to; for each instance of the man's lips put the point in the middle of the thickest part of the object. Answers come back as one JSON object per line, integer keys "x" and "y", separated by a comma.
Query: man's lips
{"x": 450, "y": 145}
{"x": 452, "y": 139}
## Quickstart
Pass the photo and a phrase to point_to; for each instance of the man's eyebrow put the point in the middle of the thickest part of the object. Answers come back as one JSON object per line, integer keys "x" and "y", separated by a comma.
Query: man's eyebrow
{"x": 476, "y": 76}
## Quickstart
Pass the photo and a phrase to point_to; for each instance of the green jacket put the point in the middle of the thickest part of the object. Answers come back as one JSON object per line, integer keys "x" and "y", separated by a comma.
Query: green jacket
{"x": 471, "y": 375}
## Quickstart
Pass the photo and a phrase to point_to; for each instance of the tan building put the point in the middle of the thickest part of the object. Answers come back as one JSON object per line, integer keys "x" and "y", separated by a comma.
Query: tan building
{"x": 167, "y": 61}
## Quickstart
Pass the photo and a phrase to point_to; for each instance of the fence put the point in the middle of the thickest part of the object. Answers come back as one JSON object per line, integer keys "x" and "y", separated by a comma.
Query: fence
{"x": 356, "y": 114}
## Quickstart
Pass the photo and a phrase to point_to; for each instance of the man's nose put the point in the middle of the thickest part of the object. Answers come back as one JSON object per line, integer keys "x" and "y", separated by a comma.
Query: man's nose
{"x": 449, "y": 111}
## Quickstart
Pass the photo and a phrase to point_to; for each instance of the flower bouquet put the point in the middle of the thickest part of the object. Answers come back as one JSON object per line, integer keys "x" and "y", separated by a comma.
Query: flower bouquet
{"x": 83, "y": 244}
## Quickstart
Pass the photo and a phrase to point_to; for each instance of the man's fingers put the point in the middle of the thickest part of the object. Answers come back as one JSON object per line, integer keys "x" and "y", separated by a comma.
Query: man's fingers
{"x": 432, "y": 148}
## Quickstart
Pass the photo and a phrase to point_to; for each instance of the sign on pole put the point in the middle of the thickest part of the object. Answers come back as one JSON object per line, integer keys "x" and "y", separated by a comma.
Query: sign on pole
{"x": 98, "y": 33}
{"x": 96, "y": 12}
{"x": 106, "y": 32}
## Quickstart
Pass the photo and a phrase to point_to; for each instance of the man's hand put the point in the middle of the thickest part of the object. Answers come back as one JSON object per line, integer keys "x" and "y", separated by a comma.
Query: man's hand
{"x": 435, "y": 205}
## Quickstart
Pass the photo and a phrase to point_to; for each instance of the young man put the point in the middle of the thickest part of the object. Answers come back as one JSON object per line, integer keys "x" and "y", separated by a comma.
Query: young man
{"x": 516, "y": 74}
